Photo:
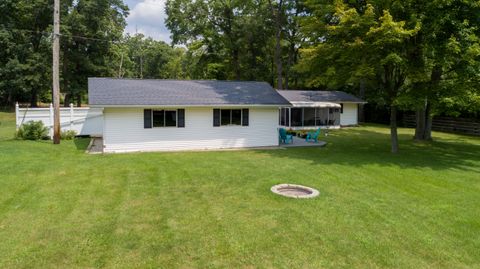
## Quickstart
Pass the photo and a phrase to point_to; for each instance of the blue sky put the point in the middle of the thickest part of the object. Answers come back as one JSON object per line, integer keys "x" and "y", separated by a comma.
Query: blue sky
{"x": 147, "y": 17}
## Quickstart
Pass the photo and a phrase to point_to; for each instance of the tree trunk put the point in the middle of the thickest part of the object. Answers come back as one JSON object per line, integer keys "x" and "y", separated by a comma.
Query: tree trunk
{"x": 420, "y": 123}
{"x": 253, "y": 60}
{"x": 272, "y": 73}
{"x": 291, "y": 51}
{"x": 424, "y": 118}
{"x": 393, "y": 128}
{"x": 9, "y": 97}
{"x": 423, "y": 128}
{"x": 34, "y": 97}
{"x": 79, "y": 100}
{"x": 66, "y": 100}
{"x": 435, "y": 79}
{"x": 236, "y": 67}
{"x": 295, "y": 60}
{"x": 361, "y": 108}
{"x": 120, "y": 72}
{"x": 428, "y": 123}
{"x": 278, "y": 59}
{"x": 278, "y": 47}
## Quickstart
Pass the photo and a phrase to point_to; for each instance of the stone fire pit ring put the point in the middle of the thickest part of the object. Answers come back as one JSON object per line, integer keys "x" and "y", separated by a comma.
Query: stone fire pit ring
{"x": 294, "y": 191}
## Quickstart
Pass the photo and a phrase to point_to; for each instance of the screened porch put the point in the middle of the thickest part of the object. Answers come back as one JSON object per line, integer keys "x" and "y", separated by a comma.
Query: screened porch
{"x": 308, "y": 115}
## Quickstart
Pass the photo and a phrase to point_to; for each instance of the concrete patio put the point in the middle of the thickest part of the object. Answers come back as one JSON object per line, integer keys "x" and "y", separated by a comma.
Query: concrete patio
{"x": 300, "y": 142}
{"x": 96, "y": 145}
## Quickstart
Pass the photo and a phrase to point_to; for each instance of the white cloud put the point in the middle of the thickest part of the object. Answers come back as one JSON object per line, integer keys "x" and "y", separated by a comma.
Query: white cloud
{"x": 148, "y": 17}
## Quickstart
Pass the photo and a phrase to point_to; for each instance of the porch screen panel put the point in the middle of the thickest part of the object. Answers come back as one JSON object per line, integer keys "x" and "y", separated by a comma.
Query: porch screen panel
{"x": 287, "y": 117}
{"x": 309, "y": 116}
{"x": 321, "y": 116}
{"x": 283, "y": 116}
{"x": 296, "y": 117}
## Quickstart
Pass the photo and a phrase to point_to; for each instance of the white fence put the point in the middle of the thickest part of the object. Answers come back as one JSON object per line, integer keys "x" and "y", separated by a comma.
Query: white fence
{"x": 83, "y": 120}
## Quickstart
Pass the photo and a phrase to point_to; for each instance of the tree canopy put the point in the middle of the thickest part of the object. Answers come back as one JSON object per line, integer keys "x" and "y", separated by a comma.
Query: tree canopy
{"x": 414, "y": 55}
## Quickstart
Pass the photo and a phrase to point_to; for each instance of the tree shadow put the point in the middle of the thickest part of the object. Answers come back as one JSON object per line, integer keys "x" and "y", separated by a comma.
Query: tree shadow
{"x": 359, "y": 147}
{"x": 81, "y": 143}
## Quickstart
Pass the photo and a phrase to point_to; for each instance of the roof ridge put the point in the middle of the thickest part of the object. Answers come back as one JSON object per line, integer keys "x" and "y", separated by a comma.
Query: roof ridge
{"x": 180, "y": 80}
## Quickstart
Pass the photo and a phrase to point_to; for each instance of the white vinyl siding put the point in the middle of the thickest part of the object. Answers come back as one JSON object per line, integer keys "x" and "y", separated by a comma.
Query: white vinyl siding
{"x": 350, "y": 114}
{"x": 124, "y": 131}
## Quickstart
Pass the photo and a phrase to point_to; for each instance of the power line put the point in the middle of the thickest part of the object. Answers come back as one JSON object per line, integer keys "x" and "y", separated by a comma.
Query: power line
{"x": 65, "y": 35}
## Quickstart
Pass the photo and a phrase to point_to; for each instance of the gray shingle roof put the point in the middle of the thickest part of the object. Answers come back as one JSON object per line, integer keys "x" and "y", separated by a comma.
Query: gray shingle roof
{"x": 319, "y": 96}
{"x": 132, "y": 92}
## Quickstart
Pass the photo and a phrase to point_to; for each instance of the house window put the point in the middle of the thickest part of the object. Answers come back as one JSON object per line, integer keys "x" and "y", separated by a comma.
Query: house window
{"x": 341, "y": 108}
{"x": 236, "y": 117}
{"x": 230, "y": 117}
{"x": 164, "y": 118}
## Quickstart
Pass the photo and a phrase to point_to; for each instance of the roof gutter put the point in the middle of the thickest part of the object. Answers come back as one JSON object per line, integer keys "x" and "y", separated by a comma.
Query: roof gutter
{"x": 199, "y": 106}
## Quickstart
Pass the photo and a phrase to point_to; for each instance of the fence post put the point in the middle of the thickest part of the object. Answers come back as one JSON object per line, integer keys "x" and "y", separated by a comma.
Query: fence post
{"x": 71, "y": 116}
{"x": 51, "y": 120}
{"x": 17, "y": 113}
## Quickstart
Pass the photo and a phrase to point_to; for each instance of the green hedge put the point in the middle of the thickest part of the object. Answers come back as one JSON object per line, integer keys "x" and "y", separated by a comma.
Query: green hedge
{"x": 32, "y": 130}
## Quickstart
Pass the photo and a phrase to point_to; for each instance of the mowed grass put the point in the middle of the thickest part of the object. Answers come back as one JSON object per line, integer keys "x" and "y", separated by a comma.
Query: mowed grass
{"x": 62, "y": 208}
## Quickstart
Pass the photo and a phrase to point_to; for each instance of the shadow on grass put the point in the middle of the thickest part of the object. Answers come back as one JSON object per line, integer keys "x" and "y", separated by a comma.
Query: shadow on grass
{"x": 81, "y": 143}
{"x": 357, "y": 147}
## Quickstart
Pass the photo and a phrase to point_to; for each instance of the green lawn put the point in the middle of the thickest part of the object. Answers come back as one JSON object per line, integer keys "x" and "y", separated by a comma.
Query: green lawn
{"x": 62, "y": 208}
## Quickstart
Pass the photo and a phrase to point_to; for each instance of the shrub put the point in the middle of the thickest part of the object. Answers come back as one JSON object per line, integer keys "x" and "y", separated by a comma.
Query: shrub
{"x": 291, "y": 132}
{"x": 302, "y": 133}
{"x": 68, "y": 135}
{"x": 32, "y": 130}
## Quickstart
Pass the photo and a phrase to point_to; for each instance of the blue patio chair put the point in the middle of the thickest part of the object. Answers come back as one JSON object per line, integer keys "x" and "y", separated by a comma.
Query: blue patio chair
{"x": 313, "y": 136}
{"x": 284, "y": 137}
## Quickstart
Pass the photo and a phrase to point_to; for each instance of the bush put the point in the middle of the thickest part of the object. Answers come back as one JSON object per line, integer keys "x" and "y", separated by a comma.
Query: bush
{"x": 302, "y": 133}
{"x": 32, "y": 130}
{"x": 68, "y": 135}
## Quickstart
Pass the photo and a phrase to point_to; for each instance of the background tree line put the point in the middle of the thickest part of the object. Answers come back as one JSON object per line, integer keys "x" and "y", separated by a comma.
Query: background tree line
{"x": 92, "y": 45}
{"x": 416, "y": 55}
{"x": 406, "y": 55}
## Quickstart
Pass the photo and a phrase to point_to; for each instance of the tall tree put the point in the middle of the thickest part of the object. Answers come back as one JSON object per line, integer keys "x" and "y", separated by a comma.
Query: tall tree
{"x": 140, "y": 57}
{"x": 225, "y": 39}
{"x": 351, "y": 43}
{"x": 25, "y": 50}
{"x": 293, "y": 13}
{"x": 89, "y": 30}
{"x": 278, "y": 12}
{"x": 448, "y": 51}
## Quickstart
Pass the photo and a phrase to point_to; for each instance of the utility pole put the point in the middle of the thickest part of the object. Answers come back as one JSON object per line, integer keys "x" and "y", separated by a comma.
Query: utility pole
{"x": 56, "y": 71}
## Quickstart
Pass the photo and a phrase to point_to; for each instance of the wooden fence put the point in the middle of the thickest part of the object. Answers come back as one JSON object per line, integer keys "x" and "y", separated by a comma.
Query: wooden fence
{"x": 83, "y": 120}
{"x": 448, "y": 124}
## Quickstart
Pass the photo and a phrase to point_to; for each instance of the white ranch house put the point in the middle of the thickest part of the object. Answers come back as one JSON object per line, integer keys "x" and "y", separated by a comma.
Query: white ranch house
{"x": 166, "y": 115}
{"x": 170, "y": 115}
